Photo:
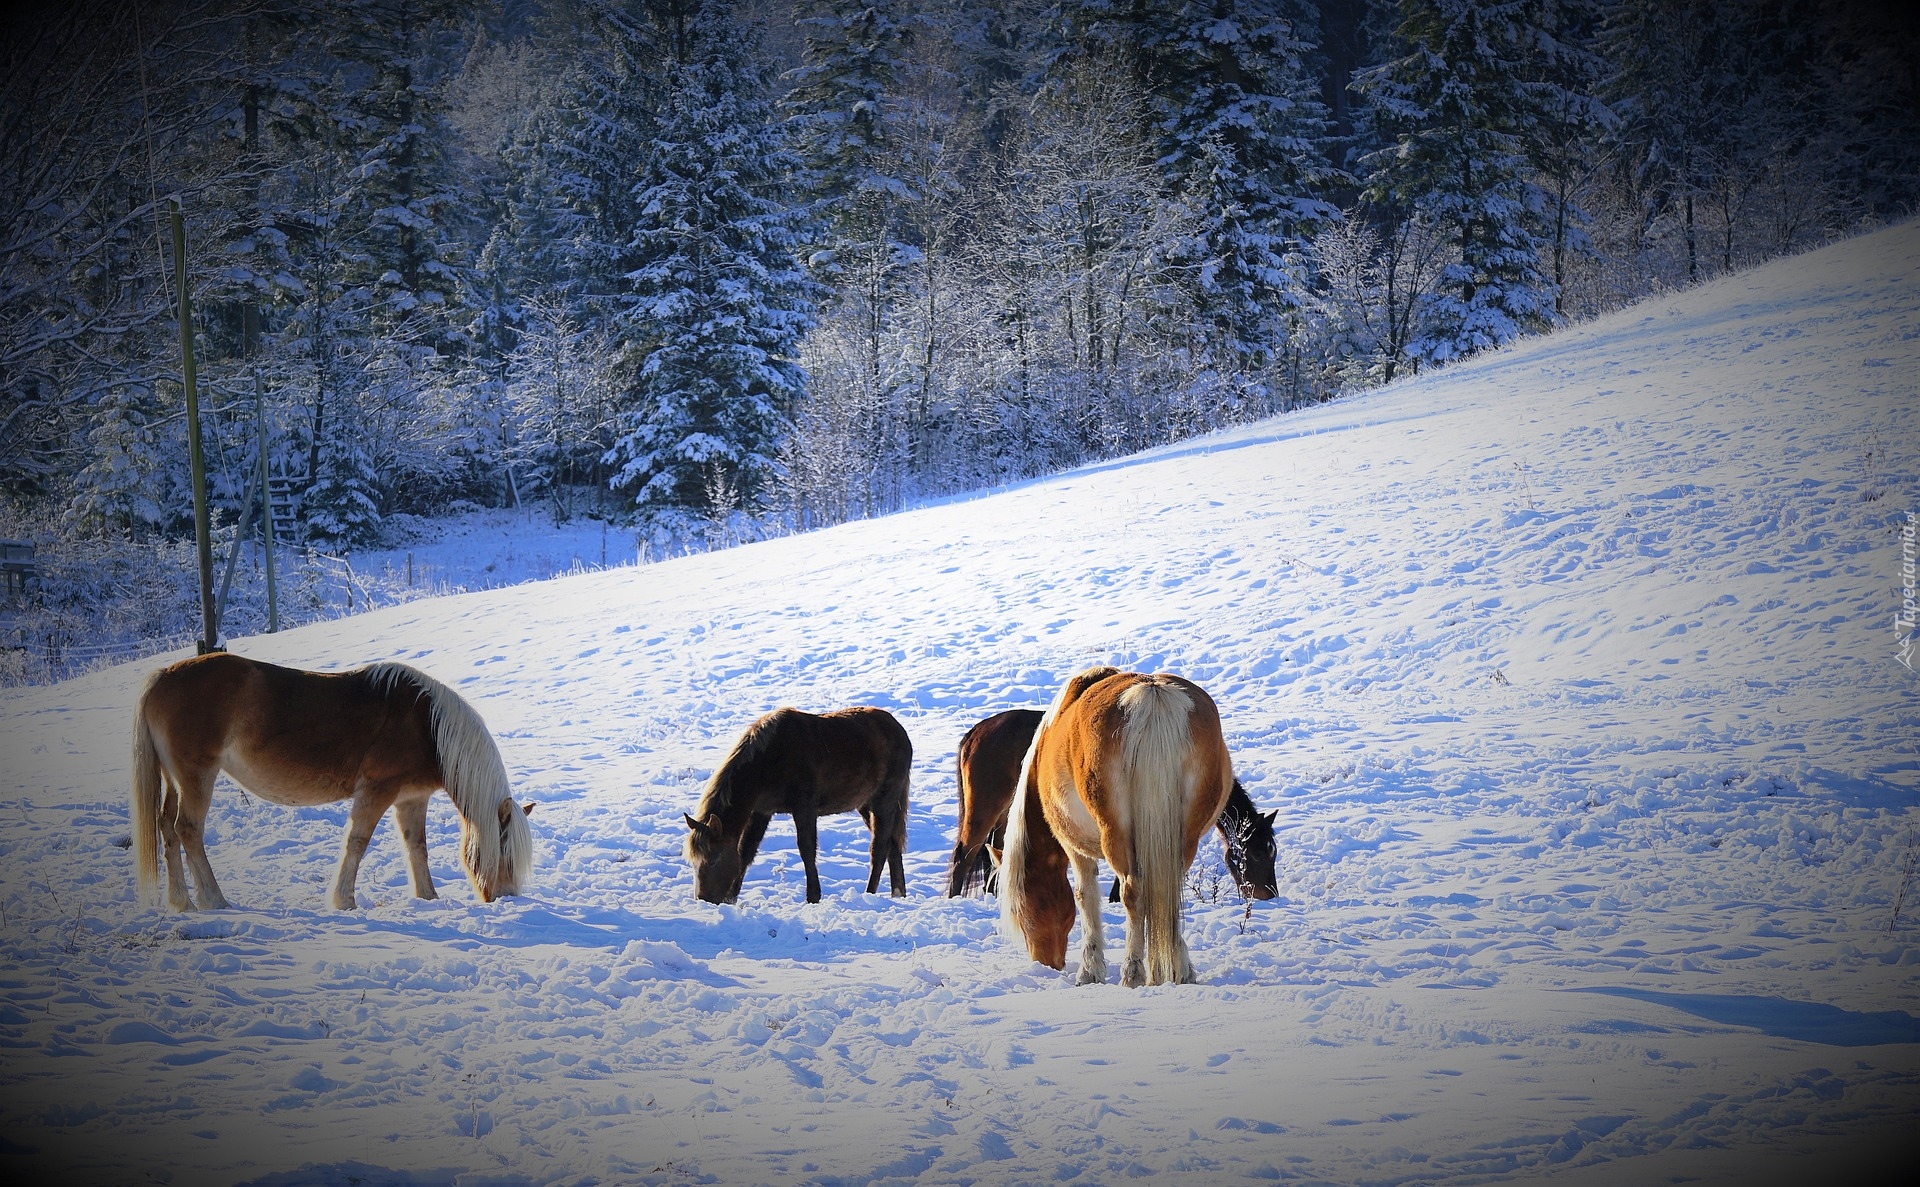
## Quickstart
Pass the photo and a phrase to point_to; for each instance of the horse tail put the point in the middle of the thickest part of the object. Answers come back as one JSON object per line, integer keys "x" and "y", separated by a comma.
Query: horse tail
{"x": 144, "y": 801}
{"x": 495, "y": 835}
{"x": 1155, "y": 742}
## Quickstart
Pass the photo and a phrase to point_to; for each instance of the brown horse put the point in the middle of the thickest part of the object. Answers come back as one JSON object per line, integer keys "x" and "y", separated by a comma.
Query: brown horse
{"x": 989, "y": 766}
{"x": 383, "y": 736}
{"x": 1128, "y": 767}
{"x": 806, "y": 765}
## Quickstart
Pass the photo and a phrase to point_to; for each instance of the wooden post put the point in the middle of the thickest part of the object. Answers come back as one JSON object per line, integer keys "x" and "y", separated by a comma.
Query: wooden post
{"x": 233, "y": 556}
{"x": 266, "y": 504}
{"x": 196, "y": 459}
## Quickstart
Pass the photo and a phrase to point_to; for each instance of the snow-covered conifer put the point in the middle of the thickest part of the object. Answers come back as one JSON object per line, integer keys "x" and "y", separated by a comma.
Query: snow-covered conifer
{"x": 717, "y": 299}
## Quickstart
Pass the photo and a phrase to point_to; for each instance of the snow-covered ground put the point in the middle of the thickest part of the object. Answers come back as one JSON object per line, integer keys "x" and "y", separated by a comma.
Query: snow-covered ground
{"x": 1572, "y": 672}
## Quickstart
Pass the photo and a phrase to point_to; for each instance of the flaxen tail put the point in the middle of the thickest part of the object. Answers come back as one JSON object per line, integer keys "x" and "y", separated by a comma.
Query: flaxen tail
{"x": 1155, "y": 753}
{"x": 144, "y": 805}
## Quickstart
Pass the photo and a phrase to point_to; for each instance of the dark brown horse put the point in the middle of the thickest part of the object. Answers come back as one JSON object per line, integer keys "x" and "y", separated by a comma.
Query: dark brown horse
{"x": 989, "y": 766}
{"x": 989, "y": 763}
{"x": 807, "y": 766}
{"x": 1131, "y": 769}
{"x": 384, "y": 737}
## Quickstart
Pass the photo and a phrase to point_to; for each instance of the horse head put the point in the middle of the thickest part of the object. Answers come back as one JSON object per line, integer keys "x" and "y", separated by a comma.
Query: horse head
{"x": 509, "y": 874}
{"x": 715, "y": 860}
{"x": 1251, "y": 856}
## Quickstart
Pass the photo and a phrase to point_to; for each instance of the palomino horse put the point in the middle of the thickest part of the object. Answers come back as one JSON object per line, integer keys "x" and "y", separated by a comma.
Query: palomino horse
{"x": 806, "y": 765}
{"x": 1128, "y": 767}
{"x": 381, "y": 736}
{"x": 989, "y": 766}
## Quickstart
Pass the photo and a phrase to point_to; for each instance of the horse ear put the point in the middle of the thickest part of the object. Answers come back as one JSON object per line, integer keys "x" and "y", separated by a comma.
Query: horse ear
{"x": 506, "y": 811}
{"x": 1268, "y": 816}
{"x": 692, "y": 824}
{"x": 527, "y": 808}
{"x": 995, "y": 854}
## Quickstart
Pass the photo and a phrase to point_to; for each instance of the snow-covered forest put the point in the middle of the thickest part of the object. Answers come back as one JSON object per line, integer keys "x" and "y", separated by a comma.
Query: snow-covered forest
{"x": 1571, "y": 673}
{"x": 714, "y": 271}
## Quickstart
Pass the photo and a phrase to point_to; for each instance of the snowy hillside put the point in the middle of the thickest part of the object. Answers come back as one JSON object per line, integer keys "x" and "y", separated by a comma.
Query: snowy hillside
{"x": 1571, "y": 672}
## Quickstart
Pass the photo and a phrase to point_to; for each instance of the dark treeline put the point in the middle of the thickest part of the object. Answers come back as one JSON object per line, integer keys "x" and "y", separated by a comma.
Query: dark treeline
{"x": 686, "y": 263}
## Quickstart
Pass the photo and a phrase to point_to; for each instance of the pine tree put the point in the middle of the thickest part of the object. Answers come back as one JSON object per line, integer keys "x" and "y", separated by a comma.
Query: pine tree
{"x": 1565, "y": 147}
{"x": 1242, "y": 133}
{"x": 1669, "y": 85}
{"x": 1460, "y": 106}
{"x": 576, "y": 203}
{"x": 718, "y": 298}
{"x": 844, "y": 115}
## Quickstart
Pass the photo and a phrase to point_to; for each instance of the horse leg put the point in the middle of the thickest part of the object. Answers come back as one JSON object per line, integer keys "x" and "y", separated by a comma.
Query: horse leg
{"x": 1093, "y": 948}
{"x": 896, "y": 870}
{"x": 1133, "y": 970}
{"x": 806, "y": 830}
{"x": 410, "y": 816}
{"x": 885, "y": 851}
{"x": 195, "y": 797}
{"x": 368, "y": 807}
{"x": 876, "y": 858}
{"x": 178, "y": 896}
{"x": 749, "y": 847}
{"x": 959, "y": 866}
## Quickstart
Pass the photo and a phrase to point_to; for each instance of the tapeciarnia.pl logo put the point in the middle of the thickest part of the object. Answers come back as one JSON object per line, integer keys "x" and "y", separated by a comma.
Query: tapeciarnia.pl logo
{"x": 1903, "y": 621}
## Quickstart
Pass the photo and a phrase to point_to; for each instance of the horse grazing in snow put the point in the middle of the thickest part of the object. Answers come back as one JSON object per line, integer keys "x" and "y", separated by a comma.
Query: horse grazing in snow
{"x": 989, "y": 766}
{"x": 383, "y": 736}
{"x": 1128, "y": 767}
{"x": 806, "y": 765}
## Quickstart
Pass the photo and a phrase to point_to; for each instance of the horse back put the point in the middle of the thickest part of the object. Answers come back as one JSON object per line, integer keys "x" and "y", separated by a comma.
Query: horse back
{"x": 289, "y": 736}
{"x": 989, "y": 768}
{"x": 1085, "y": 744}
{"x": 858, "y": 757}
{"x": 819, "y": 762}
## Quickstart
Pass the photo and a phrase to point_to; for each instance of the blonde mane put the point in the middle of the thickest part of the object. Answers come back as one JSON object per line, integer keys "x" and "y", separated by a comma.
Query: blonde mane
{"x": 476, "y": 778}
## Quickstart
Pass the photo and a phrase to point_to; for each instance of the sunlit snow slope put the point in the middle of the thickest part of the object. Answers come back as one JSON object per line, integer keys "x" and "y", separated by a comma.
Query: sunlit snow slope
{"x": 1571, "y": 671}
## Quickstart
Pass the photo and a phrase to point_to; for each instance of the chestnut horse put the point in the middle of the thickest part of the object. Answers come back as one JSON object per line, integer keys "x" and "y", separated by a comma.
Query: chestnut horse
{"x": 806, "y": 765}
{"x": 383, "y": 736}
{"x": 1125, "y": 766}
{"x": 989, "y": 765}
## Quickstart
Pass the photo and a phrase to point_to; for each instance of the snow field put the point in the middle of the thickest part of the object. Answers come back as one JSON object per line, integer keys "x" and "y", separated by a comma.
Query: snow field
{"x": 1570, "y": 671}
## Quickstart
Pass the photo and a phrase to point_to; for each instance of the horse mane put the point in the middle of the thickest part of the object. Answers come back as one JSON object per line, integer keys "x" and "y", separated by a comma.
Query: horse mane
{"x": 1014, "y": 891}
{"x": 718, "y": 794}
{"x": 476, "y": 778}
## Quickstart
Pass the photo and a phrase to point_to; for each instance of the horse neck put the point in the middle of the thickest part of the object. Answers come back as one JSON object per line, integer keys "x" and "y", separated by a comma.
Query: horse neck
{"x": 470, "y": 766}
{"x": 1238, "y": 814}
{"x": 724, "y": 797}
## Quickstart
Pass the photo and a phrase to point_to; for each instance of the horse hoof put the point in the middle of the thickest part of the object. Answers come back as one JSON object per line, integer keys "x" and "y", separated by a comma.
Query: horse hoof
{"x": 1135, "y": 974}
{"x": 1091, "y": 976}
